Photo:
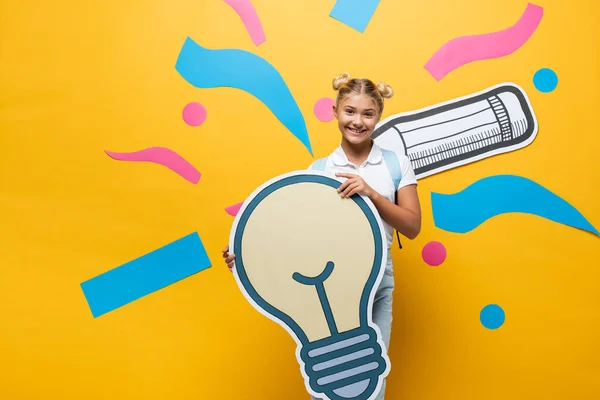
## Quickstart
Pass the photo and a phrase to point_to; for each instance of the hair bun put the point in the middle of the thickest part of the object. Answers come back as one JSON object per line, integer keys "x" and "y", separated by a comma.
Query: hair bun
{"x": 385, "y": 90}
{"x": 341, "y": 80}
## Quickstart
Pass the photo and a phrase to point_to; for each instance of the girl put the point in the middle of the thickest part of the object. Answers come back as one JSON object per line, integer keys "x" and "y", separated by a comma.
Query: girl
{"x": 358, "y": 109}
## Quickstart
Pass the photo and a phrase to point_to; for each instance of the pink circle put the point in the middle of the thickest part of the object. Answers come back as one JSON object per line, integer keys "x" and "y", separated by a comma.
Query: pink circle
{"x": 324, "y": 109}
{"x": 434, "y": 253}
{"x": 194, "y": 114}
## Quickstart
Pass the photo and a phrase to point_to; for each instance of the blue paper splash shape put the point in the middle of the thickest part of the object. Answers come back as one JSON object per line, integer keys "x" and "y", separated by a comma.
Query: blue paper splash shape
{"x": 207, "y": 68}
{"x": 466, "y": 210}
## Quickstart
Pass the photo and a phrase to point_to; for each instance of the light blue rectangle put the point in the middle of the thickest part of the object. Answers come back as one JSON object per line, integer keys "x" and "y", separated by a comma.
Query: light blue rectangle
{"x": 354, "y": 13}
{"x": 146, "y": 274}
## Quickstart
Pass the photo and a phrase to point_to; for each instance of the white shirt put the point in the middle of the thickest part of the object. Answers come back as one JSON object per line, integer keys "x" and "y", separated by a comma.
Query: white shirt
{"x": 375, "y": 173}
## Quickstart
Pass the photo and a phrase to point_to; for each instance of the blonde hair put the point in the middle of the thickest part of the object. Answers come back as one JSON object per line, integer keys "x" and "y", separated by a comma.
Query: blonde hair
{"x": 345, "y": 86}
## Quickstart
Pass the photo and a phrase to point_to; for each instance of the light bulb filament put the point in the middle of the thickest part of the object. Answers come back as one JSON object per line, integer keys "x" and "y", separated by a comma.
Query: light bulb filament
{"x": 318, "y": 282}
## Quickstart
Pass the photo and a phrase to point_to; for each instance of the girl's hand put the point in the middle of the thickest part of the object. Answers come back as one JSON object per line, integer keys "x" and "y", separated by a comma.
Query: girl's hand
{"x": 228, "y": 258}
{"x": 354, "y": 184}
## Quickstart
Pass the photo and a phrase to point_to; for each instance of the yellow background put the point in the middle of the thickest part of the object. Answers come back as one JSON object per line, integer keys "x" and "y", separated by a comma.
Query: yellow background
{"x": 78, "y": 78}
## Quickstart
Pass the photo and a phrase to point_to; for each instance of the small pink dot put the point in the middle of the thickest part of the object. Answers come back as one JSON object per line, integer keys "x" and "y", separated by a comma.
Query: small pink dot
{"x": 194, "y": 114}
{"x": 434, "y": 253}
{"x": 324, "y": 109}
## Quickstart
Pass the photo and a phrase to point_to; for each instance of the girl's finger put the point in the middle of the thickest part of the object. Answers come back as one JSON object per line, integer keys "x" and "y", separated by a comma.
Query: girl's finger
{"x": 350, "y": 189}
{"x": 344, "y": 185}
{"x": 344, "y": 175}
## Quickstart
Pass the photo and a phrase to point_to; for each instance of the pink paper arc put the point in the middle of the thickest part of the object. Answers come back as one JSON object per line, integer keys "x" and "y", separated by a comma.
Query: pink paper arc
{"x": 162, "y": 156}
{"x": 247, "y": 13}
{"x": 233, "y": 209}
{"x": 465, "y": 49}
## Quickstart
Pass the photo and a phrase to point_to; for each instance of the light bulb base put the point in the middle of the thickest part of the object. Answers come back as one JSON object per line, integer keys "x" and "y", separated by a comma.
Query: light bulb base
{"x": 346, "y": 365}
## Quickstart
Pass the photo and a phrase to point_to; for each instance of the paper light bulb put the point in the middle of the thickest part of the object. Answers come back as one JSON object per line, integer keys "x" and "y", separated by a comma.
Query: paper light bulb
{"x": 312, "y": 261}
{"x": 458, "y": 132}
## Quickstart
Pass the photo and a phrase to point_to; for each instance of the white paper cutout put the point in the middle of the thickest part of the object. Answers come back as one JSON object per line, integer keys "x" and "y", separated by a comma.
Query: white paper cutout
{"x": 496, "y": 120}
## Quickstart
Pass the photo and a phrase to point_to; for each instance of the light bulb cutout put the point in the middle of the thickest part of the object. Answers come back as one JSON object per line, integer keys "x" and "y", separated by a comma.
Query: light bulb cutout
{"x": 496, "y": 120}
{"x": 312, "y": 261}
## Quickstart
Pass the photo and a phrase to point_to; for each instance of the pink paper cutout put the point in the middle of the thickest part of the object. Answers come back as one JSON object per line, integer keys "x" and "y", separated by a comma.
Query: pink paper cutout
{"x": 324, "y": 109}
{"x": 434, "y": 253}
{"x": 247, "y": 13}
{"x": 234, "y": 209}
{"x": 162, "y": 156}
{"x": 194, "y": 114}
{"x": 465, "y": 49}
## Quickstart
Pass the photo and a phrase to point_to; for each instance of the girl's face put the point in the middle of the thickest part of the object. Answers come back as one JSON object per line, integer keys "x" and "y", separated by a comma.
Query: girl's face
{"x": 357, "y": 116}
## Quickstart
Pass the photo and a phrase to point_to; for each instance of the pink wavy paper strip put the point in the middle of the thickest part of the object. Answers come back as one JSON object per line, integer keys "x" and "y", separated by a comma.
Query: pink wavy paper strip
{"x": 465, "y": 49}
{"x": 234, "y": 209}
{"x": 247, "y": 13}
{"x": 162, "y": 156}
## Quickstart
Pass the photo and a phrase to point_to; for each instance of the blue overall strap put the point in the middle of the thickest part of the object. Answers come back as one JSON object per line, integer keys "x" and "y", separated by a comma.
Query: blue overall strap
{"x": 319, "y": 165}
{"x": 393, "y": 166}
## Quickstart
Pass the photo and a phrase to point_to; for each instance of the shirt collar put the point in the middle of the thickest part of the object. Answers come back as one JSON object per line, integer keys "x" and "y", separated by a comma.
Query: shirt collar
{"x": 340, "y": 159}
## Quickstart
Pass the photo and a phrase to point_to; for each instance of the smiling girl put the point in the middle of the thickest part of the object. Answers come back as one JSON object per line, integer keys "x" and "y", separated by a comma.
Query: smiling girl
{"x": 365, "y": 169}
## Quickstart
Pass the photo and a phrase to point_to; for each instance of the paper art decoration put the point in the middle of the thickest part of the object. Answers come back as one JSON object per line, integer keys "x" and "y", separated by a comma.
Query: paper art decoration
{"x": 146, "y": 274}
{"x": 434, "y": 253}
{"x": 466, "y": 49}
{"x": 206, "y": 68}
{"x": 491, "y": 196}
{"x": 461, "y": 131}
{"x": 354, "y": 13}
{"x": 161, "y": 156}
{"x": 194, "y": 114}
{"x": 311, "y": 261}
{"x": 233, "y": 209}
{"x": 323, "y": 109}
{"x": 545, "y": 80}
{"x": 492, "y": 316}
{"x": 247, "y": 13}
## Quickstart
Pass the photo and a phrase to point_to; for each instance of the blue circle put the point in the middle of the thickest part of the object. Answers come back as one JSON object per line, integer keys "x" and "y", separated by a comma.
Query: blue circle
{"x": 492, "y": 316}
{"x": 545, "y": 80}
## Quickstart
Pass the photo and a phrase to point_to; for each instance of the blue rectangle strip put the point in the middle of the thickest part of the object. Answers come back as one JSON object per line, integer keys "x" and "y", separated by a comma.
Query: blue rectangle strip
{"x": 354, "y": 13}
{"x": 146, "y": 274}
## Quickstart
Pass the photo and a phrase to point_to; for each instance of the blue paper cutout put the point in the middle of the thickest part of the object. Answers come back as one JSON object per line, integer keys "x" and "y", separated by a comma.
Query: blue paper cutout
{"x": 545, "y": 80}
{"x": 146, "y": 274}
{"x": 206, "y": 68}
{"x": 492, "y": 316}
{"x": 354, "y": 13}
{"x": 466, "y": 210}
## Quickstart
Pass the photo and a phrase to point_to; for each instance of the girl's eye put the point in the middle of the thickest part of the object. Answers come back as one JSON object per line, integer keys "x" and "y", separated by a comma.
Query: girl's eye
{"x": 369, "y": 114}
{"x": 349, "y": 111}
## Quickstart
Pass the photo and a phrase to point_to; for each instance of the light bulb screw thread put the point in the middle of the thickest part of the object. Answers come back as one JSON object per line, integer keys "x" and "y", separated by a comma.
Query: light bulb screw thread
{"x": 345, "y": 365}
